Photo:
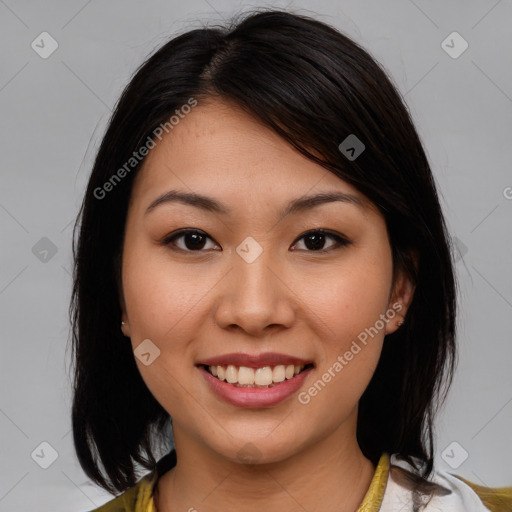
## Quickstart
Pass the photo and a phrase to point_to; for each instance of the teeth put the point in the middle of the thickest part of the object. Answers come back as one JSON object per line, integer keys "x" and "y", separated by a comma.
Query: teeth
{"x": 263, "y": 376}
{"x": 231, "y": 374}
{"x": 246, "y": 376}
{"x": 250, "y": 377}
{"x": 279, "y": 374}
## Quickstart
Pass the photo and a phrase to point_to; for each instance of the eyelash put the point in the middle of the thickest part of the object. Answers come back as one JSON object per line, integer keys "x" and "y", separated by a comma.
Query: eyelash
{"x": 340, "y": 240}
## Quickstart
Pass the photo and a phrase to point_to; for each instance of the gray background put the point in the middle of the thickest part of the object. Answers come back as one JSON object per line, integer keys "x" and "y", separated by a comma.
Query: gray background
{"x": 54, "y": 111}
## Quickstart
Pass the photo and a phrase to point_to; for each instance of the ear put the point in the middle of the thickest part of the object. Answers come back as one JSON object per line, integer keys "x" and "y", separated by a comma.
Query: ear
{"x": 400, "y": 299}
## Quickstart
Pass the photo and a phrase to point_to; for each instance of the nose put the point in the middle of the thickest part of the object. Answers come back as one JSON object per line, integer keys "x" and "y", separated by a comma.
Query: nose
{"x": 254, "y": 297}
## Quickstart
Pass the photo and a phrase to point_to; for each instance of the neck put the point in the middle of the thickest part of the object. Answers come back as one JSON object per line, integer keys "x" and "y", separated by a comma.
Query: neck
{"x": 333, "y": 475}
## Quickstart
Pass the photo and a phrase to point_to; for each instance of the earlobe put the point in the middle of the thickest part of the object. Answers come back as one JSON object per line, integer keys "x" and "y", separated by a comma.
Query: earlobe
{"x": 403, "y": 292}
{"x": 126, "y": 329}
{"x": 394, "y": 323}
{"x": 125, "y": 326}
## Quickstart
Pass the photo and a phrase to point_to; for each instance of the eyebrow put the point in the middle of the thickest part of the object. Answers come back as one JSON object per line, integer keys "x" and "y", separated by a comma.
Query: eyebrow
{"x": 295, "y": 206}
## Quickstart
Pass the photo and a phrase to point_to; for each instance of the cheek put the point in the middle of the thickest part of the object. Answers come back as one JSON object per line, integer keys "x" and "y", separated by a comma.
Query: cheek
{"x": 350, "y": 297}
{"x": 158, "y": 295}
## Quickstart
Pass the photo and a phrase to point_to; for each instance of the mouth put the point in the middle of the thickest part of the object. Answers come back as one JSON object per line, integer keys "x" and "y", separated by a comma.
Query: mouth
{"x": 257, "y": 378}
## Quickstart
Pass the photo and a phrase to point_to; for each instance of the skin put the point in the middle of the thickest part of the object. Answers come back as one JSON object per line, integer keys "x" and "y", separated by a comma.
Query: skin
{"x": 293, "y": 299}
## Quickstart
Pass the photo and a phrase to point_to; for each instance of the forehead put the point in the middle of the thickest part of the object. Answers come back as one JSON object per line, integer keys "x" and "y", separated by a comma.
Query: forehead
{"x": 219, "y": 149}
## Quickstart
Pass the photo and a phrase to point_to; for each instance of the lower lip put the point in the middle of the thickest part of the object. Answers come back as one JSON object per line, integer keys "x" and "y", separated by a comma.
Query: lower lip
{"x": 255, "y": 397}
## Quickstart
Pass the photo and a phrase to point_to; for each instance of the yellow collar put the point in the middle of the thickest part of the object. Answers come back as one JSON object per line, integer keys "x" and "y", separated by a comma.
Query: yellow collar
{"x": 373, "y": 497}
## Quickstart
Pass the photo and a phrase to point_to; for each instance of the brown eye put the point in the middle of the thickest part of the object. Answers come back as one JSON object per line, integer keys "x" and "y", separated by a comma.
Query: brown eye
{"x": 315, "y": 240}
{"x": 193, "y": 240}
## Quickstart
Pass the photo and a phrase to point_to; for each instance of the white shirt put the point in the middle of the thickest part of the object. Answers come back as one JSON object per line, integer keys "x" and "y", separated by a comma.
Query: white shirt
{"x": 456, "y": 496}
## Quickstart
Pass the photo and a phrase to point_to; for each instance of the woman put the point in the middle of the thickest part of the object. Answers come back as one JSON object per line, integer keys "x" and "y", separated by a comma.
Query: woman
{"x": 262, "y": 263}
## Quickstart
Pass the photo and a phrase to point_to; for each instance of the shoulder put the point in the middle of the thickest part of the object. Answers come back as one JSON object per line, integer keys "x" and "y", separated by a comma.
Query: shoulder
{"x": 139, "y": 498}
{"x": 445, "y": 492}
{"x": 496, "y": 499}
{"x": 134, "y": 499}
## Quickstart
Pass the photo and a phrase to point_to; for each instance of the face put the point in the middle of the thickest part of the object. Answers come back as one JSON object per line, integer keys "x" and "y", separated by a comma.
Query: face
{"x": 243, "y": 286}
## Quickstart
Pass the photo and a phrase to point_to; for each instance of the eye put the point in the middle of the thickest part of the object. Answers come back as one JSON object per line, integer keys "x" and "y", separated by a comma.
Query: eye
{"x": 193, "y": 240}
{"x": 315, "y": 240}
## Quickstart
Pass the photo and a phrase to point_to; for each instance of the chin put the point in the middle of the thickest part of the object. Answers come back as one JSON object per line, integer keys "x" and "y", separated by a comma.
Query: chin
{"x": 255, "y": 451}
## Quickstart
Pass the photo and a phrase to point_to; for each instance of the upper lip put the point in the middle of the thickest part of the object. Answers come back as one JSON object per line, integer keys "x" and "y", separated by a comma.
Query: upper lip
{"x": 253, "y": 361}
